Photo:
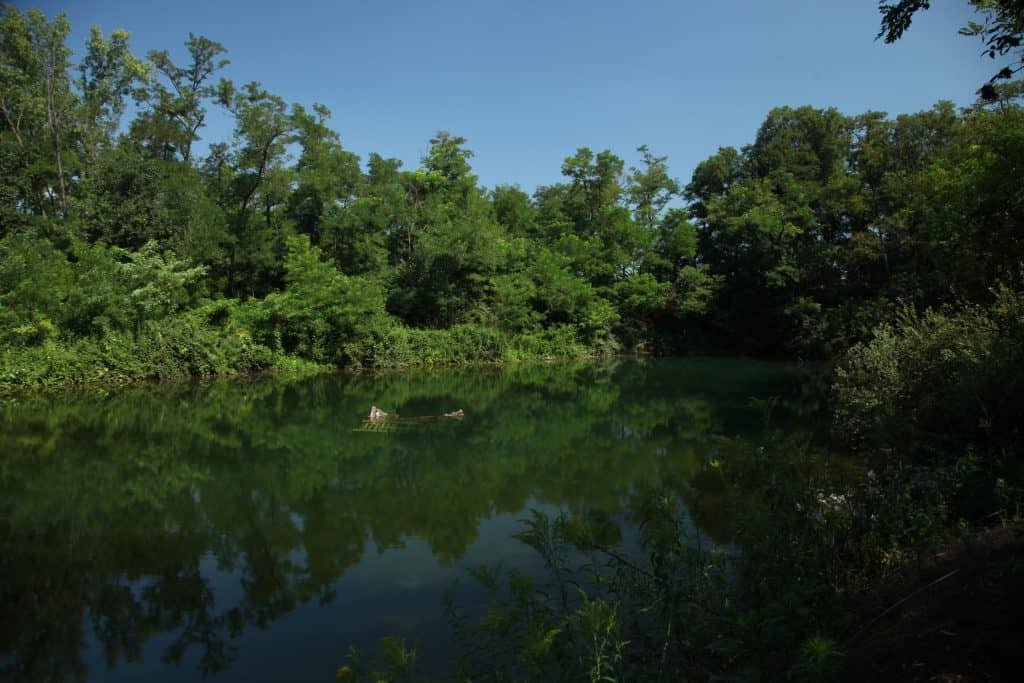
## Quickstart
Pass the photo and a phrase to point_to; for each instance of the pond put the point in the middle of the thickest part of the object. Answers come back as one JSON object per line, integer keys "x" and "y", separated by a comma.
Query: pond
{"x": 255, "y": 529}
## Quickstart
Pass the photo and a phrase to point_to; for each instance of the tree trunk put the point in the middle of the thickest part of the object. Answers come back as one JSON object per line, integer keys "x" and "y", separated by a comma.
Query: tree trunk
{"x": 51, "y": 115}
{"x": 231, "y": 273}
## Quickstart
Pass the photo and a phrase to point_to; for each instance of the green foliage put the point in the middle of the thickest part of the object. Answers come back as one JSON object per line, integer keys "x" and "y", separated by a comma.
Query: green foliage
{"x": 130, "y": 198}
{"x": 892, "y": 244}
{"x": 940, "y": 374}
{"x": 177, "y": 348}
{"x": 109, "y": 74}
{"x": 320, "y": 310}
{"x": 1002, "y": 31}
{"x": 798, "y": 244}
{"x": 176, "y": 96}
{"x": 39, "y": 110}
{"x": 778, "y": 593}
{"x": 100, "y": 314}
{"x": 394, "y": 662}
{"x": 514, "y": 210}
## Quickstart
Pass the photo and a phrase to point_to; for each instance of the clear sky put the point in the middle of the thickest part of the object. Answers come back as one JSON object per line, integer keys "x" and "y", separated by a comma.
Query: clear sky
{"x": 528, "y": 82}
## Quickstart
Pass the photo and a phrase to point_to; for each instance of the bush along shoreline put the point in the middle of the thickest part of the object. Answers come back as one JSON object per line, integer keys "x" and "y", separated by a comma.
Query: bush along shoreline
{"x": 125, "y": 252}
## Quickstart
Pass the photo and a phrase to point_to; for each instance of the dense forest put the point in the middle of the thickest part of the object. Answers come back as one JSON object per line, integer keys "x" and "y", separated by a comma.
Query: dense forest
{"x": 134, "y": 247}
{"x": 127, "y": 253}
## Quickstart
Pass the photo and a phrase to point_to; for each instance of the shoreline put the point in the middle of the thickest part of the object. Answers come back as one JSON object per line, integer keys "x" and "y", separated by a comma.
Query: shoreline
{"x": 298, "y": 367}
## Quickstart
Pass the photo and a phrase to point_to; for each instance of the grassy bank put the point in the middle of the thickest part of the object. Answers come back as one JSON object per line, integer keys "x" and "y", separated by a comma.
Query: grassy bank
{"x": 190, "y": 352}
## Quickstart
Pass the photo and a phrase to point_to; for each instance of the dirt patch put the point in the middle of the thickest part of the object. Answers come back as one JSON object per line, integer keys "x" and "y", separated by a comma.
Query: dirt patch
{"x": 961, "y": 619}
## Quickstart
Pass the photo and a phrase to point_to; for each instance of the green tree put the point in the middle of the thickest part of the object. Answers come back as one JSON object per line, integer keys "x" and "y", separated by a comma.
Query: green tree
{"x": 177, "y": 100}
{"x": 130, "y": 197}
{"x": 650, "y": 189}
{"x": 321, "y": 311}
{"x": 263, "y": 130}
{"x": 711, "y": 178}
{"x": 514, "y": 210}
{"x": 109, "y": 73}
{"x": 39, "y": 109}
{"x": 329, "y": 177}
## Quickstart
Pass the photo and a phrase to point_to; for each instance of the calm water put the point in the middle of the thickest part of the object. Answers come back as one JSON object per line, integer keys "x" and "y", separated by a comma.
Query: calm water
{"x": 249, "y": 530}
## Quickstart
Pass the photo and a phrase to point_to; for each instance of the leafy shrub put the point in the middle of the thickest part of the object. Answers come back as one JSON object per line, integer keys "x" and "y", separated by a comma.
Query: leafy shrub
{"x": 320, "y": 311}
{"x": 952, "y": 375}
{"x": 180, "y": 347}
{"x": 558, "y": 341}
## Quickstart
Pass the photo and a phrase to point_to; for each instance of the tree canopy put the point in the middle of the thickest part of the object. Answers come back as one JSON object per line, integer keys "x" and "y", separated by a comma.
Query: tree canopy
{"x": 290, "y": 246}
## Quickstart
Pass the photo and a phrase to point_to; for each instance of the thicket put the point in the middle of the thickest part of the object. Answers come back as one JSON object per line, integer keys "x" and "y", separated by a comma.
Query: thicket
{"x": 137, "y": 248}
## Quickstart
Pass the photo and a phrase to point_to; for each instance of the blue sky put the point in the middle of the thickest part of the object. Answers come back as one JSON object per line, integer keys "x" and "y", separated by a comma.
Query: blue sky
{"x": 528, "y": 82}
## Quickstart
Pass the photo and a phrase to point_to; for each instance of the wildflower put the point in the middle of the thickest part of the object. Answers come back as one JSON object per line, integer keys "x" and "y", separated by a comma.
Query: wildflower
{"x": 344, "y": 673}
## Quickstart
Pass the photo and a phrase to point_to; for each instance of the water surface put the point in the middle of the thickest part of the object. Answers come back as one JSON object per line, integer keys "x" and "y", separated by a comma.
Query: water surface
{"x": 251, "y": 530}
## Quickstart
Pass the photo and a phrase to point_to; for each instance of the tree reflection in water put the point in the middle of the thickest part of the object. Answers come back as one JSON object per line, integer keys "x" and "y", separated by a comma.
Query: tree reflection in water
{"x": 115, "y": 504}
